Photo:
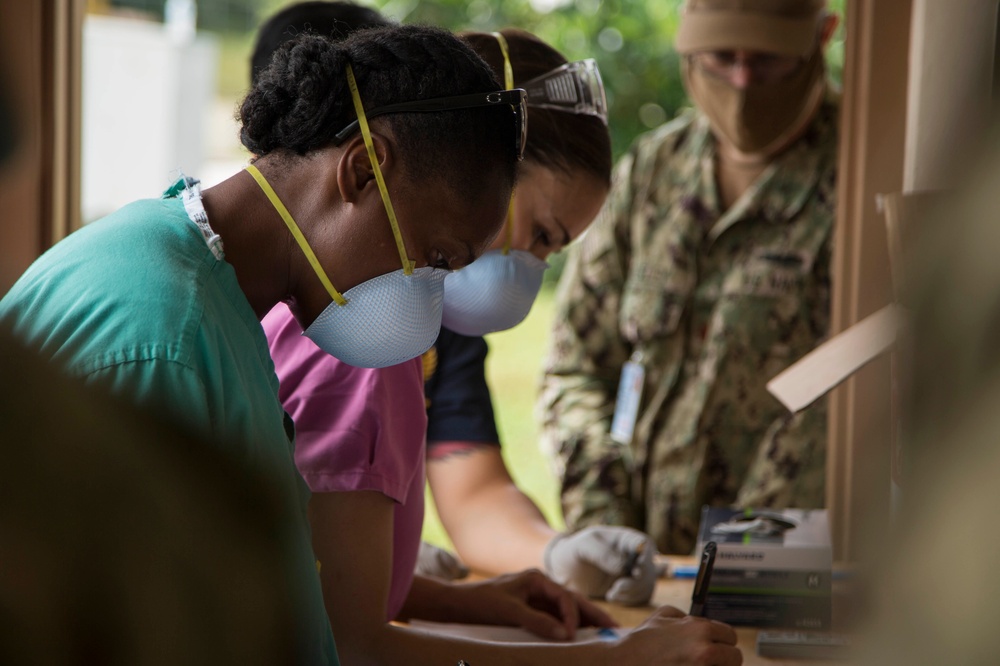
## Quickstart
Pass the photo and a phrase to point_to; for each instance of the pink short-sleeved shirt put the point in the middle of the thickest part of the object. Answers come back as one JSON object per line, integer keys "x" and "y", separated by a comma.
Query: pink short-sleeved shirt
{"x": 356, "y": 429}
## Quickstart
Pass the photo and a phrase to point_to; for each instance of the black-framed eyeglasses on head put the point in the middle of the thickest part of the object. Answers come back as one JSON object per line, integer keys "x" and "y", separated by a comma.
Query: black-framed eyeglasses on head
{"x": 516, "y": 99}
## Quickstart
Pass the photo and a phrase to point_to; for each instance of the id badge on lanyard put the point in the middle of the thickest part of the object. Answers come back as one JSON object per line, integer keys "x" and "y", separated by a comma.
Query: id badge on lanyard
{"x": 627, "y": 401}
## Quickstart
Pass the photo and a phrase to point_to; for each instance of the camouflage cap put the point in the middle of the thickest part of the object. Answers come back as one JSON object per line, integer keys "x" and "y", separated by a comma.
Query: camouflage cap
{"x": 787, "y": 27}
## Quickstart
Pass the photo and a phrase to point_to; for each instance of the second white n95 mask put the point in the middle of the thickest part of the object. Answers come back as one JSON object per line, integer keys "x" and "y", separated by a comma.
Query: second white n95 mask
{"x": 493, "y": 293}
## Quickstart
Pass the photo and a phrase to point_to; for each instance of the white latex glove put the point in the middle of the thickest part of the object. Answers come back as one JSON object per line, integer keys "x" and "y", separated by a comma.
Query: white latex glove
{"x": 439, "y": 563}
{"x": 594, "y": 560}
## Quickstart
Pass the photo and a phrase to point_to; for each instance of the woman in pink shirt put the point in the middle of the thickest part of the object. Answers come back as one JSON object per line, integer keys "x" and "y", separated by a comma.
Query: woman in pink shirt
{"x": 344, "y": 444}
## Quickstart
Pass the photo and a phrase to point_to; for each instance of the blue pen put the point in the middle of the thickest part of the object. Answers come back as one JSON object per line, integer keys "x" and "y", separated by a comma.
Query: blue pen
{"x": 684, "y": 570}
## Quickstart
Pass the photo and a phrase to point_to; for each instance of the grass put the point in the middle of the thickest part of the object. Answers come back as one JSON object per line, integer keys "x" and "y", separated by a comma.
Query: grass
{"x": 513, "y": 369}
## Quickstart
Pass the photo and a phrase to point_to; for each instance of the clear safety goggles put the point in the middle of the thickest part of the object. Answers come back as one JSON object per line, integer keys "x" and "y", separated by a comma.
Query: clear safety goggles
{"x": 575, "y": 87}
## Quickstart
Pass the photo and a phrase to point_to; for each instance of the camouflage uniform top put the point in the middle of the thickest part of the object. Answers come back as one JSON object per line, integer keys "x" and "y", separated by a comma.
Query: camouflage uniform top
{"x": 714, "y": 304}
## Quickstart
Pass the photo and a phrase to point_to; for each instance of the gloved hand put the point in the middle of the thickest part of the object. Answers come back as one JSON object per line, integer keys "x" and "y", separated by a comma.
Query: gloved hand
{"x": 594, "y": 560}
{"x": 439, "y": 563}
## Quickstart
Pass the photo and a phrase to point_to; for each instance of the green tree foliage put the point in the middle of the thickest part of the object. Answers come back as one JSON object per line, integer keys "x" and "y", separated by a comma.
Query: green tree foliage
{"x": 221, "y": 16}
{"x": 632, "y": 41}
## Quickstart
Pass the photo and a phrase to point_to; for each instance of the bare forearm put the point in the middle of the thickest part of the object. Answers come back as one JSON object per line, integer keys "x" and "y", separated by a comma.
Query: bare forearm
{"x": 431, "y": 600}
{"x": 501, "y": 530}
{"x": 495, "y": 527}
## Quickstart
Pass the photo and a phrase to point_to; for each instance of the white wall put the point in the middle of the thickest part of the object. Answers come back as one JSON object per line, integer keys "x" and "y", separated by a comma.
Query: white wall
{"x": 147, "y": 96}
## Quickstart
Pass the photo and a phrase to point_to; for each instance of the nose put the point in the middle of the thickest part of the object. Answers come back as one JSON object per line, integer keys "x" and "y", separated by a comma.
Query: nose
{"x": 740, "y": 74}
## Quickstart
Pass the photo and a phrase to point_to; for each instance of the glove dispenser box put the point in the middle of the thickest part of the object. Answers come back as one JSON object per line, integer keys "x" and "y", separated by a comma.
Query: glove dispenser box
{"x": 772, "y": 568}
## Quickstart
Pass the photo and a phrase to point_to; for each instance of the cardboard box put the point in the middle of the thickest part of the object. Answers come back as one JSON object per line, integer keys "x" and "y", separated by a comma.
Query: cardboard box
{"x": 825, "y": 367}
{"x": 772, "y": 568}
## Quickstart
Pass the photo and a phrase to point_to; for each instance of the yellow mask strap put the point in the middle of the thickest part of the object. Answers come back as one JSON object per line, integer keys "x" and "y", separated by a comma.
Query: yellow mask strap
{"x": 508, "y": 83}
{"x": 296, "y": 234}
{"x": 367, "y": 135}
{"x": 508, "y": 71}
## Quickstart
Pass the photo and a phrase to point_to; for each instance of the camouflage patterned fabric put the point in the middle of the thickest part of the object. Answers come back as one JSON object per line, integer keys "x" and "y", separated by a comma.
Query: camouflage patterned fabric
{"x": 714, "y": 305}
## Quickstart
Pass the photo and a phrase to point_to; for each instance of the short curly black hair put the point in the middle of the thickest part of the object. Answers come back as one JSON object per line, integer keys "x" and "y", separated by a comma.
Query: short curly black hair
{"x": 302, "y": 100}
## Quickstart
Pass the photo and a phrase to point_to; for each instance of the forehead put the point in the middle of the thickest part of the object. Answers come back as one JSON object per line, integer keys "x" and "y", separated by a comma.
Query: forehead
{"x": 749, "y": 25}
{"x": 571, "y": 199}
{"x": 440, "y": 209}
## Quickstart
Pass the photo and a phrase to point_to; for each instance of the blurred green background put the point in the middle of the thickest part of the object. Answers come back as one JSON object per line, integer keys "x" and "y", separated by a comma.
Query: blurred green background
{"x": 632, "y": 43}
{"x": 630, "y": 39}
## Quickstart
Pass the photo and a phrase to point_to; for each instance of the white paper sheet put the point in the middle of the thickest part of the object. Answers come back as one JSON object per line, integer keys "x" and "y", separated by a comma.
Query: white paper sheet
{"x": 483, "y": 632}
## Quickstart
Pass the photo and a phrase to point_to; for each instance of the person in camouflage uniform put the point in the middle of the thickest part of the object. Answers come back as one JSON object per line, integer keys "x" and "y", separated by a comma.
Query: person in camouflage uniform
{"x": 709, "y": 269}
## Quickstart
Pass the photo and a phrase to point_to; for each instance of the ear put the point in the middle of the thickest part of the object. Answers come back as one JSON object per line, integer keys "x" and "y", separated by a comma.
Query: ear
{"x": 830, "y": 23}
{"x": 355, "y": 174}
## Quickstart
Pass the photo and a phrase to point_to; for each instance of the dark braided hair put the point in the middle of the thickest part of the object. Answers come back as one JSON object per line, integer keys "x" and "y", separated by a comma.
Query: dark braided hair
{"x": 556, "y": 139}
{"x": 302, "y": 100}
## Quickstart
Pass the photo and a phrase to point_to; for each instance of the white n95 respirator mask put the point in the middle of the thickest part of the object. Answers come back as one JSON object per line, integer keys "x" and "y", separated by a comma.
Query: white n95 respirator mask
{"x": 386, "y": 320}
{"x": 493, "y": 293}
{"x": 383, "y": 321}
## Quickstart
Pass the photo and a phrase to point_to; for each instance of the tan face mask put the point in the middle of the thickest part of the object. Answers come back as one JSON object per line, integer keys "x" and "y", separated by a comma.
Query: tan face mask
{"x": 759, "y": 118}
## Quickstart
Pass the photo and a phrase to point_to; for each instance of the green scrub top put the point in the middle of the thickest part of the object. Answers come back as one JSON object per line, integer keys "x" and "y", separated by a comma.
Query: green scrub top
{"x": 138, "y": 302}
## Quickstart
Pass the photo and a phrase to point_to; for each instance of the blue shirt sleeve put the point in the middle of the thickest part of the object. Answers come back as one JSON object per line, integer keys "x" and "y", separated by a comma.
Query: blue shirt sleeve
{"x": 459, "y": 407}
